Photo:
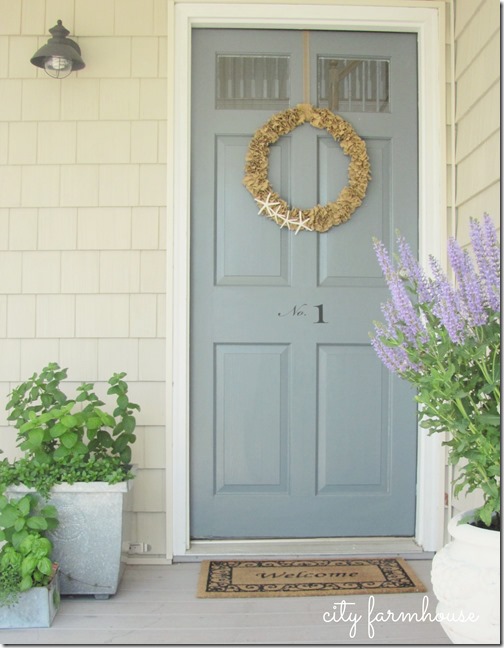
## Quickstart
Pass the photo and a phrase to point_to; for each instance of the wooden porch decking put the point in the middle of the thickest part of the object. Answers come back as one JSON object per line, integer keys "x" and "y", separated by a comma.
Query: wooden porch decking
{"x": 158, "y": 605}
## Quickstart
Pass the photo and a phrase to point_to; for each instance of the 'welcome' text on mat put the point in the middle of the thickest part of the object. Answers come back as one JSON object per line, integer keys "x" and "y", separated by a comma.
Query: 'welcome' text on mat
{"x": 317, "y": 577}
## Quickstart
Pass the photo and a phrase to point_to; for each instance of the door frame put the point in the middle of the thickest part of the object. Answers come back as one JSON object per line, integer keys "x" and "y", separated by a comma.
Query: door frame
{"x": 428, "y": 22}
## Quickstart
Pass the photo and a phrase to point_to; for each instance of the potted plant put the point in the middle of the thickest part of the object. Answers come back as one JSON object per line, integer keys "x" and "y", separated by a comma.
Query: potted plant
{"x": 29, "y": 591}
{"x": 445, "y": 341}
{"x": 78, "y": 455}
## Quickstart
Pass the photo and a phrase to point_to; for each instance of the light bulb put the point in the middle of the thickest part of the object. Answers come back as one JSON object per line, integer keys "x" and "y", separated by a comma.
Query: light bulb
{"x": 58, "y": 67}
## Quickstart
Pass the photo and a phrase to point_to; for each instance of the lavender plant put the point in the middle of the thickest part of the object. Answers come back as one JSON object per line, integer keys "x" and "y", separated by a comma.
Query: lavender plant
{"x": 445, "y": 341}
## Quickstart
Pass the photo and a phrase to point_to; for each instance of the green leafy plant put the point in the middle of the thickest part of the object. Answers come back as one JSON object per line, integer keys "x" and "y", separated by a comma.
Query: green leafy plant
{"x": 445, "y": 341}
{"x": 25, "y": 556}
{"x": 69, "y": 439}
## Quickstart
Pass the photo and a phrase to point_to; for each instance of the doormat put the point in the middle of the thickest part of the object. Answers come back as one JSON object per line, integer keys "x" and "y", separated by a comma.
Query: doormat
{"x": 242, "y": 578}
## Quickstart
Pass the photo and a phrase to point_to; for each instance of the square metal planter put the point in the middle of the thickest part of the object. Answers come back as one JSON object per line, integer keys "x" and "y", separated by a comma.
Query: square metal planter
{"x": 88, "y": 543}
{"x": 35, "y": 608}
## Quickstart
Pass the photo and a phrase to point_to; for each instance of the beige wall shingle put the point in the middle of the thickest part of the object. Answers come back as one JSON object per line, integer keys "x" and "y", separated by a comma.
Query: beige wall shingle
{"x": 21, "y": 316}
{"x": 11, "y": 91}
{"x": 55, "y": 316}
{"x": 102, "y": 316}
{"x": 104, "y": 228}
{"x": 23, "y": 226}
{"x": 33, "y": 17}
{"x": 56, "y": 142}
{"x": 80, "y": 272}
{"x": 57, "y": 229}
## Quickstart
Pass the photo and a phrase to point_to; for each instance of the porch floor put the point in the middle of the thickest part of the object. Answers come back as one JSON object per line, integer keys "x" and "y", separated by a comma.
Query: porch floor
{"x": 158, "y": 605}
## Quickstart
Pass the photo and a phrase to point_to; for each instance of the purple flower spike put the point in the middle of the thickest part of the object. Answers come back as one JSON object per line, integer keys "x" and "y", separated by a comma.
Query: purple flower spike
{"x": 416, "y": 275}
{"x": 487, "y": 251}
{"x": 401, "y": 313}
{"x": 471, "y": 294}
{"x": 447, "y": 305}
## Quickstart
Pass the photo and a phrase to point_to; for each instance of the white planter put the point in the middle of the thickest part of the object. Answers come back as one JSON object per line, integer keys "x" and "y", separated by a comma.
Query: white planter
{"x": 35, "y": 608}
{"x": 466, "y": 581}
{"x": 88, "y": 542}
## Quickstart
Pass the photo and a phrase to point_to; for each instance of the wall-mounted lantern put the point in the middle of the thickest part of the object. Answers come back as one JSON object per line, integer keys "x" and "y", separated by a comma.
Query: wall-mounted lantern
{"x": 60, "y": 55}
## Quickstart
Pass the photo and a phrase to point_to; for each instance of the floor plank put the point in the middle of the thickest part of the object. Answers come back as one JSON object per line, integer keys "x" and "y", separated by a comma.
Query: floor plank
{"x": 157, "y": 605}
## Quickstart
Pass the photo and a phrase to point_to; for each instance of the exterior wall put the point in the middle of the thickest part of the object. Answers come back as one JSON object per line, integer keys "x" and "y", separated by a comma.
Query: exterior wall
{"x": 477, "y": 122}
{"x": 85, "y": 247}
{"x": 83, "y": 215}
{"x": 477, "y": 114}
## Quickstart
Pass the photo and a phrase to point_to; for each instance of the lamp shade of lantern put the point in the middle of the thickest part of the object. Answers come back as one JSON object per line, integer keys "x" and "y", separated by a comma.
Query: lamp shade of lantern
{"x": 60, "y": 55}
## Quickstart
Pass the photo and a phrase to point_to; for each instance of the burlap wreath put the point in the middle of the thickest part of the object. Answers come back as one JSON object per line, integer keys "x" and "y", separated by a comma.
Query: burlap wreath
{"x": 321, "y": 217}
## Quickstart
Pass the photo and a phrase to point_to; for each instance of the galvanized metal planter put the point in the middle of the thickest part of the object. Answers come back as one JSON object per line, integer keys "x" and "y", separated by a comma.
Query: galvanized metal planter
{"x": 35, "y": 608}
{"x": 88, "y": 543}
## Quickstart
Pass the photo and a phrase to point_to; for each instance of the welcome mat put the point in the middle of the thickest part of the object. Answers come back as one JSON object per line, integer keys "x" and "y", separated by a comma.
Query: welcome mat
{"x": 241, "y": 578}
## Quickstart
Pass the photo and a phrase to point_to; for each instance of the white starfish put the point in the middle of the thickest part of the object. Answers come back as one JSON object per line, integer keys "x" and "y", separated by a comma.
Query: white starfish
{"x": 301, "y": 223}
{"x": 266, "y": 204}
{"x": 280, "y": 218}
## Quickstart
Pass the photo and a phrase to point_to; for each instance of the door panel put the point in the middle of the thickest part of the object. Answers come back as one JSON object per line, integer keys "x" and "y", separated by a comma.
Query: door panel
{"x": 251, "y": 440}
{"x": 233, "y": 231}
{"x": 337, "y": 265}
{"x": 296, "y": 428}
{"x": 351, "y": 450}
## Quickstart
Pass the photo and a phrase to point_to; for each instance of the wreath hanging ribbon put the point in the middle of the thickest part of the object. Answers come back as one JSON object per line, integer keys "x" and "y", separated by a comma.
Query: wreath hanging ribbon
{"x": 321, "y": 217}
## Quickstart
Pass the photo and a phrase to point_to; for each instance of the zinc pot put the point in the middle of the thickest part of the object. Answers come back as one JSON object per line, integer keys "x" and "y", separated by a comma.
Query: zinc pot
{"x": 88, "y": 542}
{"x": 466, "y": 581}
{"x": 35, "y": 608}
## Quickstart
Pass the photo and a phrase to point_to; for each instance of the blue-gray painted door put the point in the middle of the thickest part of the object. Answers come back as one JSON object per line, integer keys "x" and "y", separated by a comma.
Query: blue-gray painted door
{"x": 296, "y": 429}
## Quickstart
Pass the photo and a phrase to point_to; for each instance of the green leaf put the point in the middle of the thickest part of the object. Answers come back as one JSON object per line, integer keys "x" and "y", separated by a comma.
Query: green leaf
{"x": 19, "y": 524}
{"x": 45, "y": 545}
{"x": 49, "y": 511}
{"x": 37, "y": 522}
{"x": 18, "y": 538}
{"x": 94, "y": 423}
{"x": 129, "y": 423}
{"x": 122, "y": 401}
{"x": 120, "y": 443}
{"x": 104, "y": 439}
{"x": 46, "y": 400}
{"x": 61, "y": 452}
{"x": 69, "y": 421}
{"x": 57, "y": 430}
{"x": 107, "y": 420}
{"x": 26, "y": 583}
{"x": 27, "y": 426}
{"x": 69, "y": 439}
{"x": 52, "y": 523}
{"x": 8, "y": 516}
{"x": 491, "y": 419}
{"x": 24, "y": 505}
{"x": 45, "y": 566}
{"x": 35, "y": 437}
{"x": 28, "y": 565}
{"x": 126, "y": 455}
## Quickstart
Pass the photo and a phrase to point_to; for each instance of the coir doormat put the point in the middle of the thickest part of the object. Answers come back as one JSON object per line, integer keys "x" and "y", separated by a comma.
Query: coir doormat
{"x": 317, "y": 577}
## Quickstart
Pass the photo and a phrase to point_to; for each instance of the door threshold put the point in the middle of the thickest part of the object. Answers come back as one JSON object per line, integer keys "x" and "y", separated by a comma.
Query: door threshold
{"x": 303, "y": 548}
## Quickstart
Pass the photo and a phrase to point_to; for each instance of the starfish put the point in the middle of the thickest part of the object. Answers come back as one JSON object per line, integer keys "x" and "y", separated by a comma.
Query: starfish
{"x": 301, "y": 223}
{"x": 280, "y": 218}
{"x": 266, "y": 204}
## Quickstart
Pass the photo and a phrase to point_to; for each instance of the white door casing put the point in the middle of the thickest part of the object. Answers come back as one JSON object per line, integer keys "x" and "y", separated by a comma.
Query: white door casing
{"x": 428, "y": 23}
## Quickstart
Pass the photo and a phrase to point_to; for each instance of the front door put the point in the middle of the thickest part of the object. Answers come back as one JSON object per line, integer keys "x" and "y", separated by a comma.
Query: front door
{"x": 297, "y": 430}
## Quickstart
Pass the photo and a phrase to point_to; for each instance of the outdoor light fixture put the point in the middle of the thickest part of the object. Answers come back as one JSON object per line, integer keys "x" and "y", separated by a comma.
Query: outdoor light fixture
{"x": 60, "y": 55}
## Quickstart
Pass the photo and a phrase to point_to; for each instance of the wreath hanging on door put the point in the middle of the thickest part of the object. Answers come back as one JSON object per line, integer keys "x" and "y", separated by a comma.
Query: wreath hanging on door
{"x": 321, "y": 217}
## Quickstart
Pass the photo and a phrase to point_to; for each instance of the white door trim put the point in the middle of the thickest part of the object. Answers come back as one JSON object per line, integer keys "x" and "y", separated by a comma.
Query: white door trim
{"x": 402, "y": 16}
